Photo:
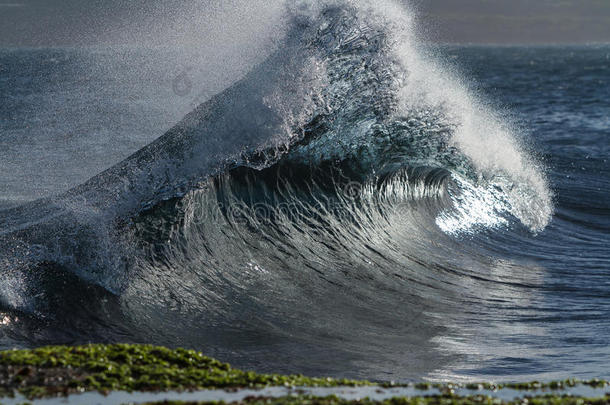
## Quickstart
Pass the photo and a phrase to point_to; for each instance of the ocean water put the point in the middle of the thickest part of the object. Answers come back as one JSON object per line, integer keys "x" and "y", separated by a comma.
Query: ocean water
{"x": 355, "y": 203}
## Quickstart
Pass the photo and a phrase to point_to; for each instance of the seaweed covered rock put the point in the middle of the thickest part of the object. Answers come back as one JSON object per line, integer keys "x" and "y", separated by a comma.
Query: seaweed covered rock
{"x": 63, "y": 370}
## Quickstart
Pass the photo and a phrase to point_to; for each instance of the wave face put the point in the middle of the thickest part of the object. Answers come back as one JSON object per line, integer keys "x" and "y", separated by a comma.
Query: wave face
{"x": 320, "y": 208}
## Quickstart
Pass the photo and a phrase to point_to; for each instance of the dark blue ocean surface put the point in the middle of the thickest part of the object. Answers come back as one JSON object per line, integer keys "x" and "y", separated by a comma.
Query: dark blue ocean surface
{"x": 558, "y": 95}
{"x": 381, "y": 242}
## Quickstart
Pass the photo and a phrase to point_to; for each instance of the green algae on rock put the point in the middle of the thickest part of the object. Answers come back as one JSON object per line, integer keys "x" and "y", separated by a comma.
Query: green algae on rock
{"x": 427, "y": 400}
{"x": 520, "y": 386}
{"x": 64, "y": 370}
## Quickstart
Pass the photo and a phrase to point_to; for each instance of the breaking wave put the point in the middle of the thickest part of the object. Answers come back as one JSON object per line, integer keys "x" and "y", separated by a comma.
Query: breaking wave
{"x": 341, "y": 177}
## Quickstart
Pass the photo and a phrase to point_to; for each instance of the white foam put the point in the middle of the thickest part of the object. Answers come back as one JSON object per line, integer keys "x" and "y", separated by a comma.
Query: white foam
{"x": 482, "y": 134}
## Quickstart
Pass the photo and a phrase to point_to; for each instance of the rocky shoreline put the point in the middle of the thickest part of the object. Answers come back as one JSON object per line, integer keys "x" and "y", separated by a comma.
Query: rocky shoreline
{"x": 66, "y": 370}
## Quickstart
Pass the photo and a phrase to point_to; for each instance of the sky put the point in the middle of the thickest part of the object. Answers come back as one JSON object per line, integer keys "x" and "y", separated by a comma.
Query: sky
{"x": 516, "y": 21}
{"x": 90, "y": 22}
